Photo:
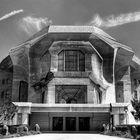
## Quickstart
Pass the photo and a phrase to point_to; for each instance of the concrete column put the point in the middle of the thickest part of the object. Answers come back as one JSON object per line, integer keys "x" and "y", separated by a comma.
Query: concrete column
{"x": 64, "y": 123}
{"x": 77, "y": 123}
{"x": 127, "y": 86}
{"x": 51, "y": 94}
{"x": 91, "y": 123}
{"x": 14, "y": 120}
{"x": 25, "y": 118}
{"x": 91, "y": 95}
{"x": 116, "y": 119}
{"x": 51, "y": 123}
{"x": 110, "y": 96}
{"x": 54, "y": 62}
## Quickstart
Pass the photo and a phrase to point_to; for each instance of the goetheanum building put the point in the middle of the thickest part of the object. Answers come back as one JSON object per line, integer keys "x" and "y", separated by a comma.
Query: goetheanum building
{"x": 72, "y": 78}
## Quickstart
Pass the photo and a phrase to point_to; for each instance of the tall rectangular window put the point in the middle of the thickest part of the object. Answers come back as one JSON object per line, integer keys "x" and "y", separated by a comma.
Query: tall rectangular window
{"x": 23, "y": 91}
{"x": 119, "y": 92}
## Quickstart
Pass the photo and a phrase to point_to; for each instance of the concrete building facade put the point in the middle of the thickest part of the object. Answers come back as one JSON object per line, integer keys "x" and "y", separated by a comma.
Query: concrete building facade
{"x": 72, "y": 78}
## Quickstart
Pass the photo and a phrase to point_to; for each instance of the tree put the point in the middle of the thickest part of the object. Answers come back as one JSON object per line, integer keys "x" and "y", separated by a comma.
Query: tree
{"x": 136, "y": 105}
{"x": 7, "y": 112}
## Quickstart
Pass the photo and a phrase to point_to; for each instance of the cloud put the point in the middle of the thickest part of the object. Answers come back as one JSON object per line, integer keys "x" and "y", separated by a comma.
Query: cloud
{"x": 11, "y": 14}
{"x": 31, "y": 25}
{"x": 112, "y": 21}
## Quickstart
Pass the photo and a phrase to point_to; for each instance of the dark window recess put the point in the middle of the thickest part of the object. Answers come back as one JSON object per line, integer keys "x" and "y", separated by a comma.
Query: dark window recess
{"x": 57, "y": 123}
{"x": 71, "y": 60}
{"x": 7, "y": 94}
{"x": 42, "y": 97}
{"x": 84, "y": 123}
{"x": 19, "y": 118}
{"x": 23, "y": 91}
{"x": 70, "y": 123}
{"x": 3, "y": 81}
{"x": 2, "y": 94}
{"x": 8, "y": 81}
{"x": 135, "y": 94}
{"x": 100, "y": 97}
{"x": 135, "y": 82}
{"x": 119, "y": 92}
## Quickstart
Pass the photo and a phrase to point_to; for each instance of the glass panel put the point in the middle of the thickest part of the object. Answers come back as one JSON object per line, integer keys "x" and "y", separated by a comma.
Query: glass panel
{"x": 119, "y": 92}
{"x": 57, "y": 123}
{"x": 71, "y": 61}
{"x": 81, "y": 61}
{"x": 23, "y": 91}
{"x": 70, "y": 123}
{"x": 84, "y": 123}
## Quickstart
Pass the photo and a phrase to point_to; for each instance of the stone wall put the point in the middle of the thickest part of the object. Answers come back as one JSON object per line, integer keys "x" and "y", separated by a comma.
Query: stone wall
{"x": 5, "y": 86}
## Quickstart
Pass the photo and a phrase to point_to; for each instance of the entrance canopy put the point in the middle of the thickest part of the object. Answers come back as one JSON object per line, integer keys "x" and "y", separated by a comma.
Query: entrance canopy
{"x": 115, "y": 108}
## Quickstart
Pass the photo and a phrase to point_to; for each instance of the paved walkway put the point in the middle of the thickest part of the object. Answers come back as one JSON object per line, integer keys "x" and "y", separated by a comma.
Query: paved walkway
{"x": 53, "y": 136}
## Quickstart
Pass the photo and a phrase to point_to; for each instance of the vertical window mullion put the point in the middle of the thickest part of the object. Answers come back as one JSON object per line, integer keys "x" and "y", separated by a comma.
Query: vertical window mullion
{"x": 64, "y": 60}
{"x": 78, "y": 60}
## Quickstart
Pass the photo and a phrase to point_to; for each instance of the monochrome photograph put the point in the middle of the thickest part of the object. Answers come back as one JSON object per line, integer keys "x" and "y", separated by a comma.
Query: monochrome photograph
{"x": 70, "y": 69}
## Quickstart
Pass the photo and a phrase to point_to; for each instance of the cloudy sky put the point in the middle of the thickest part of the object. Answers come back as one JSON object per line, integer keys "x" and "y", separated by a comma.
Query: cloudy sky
{"x": 19, "y": 19}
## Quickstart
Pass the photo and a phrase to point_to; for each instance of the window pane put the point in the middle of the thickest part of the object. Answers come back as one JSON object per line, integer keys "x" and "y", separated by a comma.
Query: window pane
{"x": 23, "y": 91}
{"x": 81, "y": 61}
{"x": 71, "y": 60}
{"x": 119, "y": 92}
{"x": 57, "y": 123}
{"x": 61, "y": 61}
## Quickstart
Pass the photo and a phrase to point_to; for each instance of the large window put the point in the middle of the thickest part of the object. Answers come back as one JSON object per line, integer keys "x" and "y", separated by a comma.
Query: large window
{"x": 71, "y": 94}
{"x": 71, "y": 60}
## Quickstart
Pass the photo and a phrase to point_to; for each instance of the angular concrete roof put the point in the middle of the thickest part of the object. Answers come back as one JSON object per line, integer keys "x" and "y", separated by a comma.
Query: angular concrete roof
{"x": 77, "y": 29}
{"x": 74, "y": 29}
{"x": 97, "y": 37}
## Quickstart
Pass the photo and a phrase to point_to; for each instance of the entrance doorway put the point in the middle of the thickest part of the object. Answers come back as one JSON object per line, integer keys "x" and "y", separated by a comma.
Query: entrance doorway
{"x": 57, "y": 123}
{"x": 70, "y": 123}
{"x": 84, "y": 123}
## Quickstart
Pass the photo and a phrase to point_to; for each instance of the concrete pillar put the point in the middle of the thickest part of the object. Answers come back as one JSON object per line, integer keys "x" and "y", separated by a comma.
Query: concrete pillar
{"x": 25, "y": 118}
{"x": 64, "y": 123}
{"x": 91, "y": 95}
{"x": 51, "y": 94}
{"x": 77, "y": 123}
{"x": 54, "y": 63}
{"x": 110, "y": 96}
{"x": 127, "y": 86}
{"x": 91, "y": 123}
{"x": 51, "y": 123}
{"x": 116, "y": 119}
